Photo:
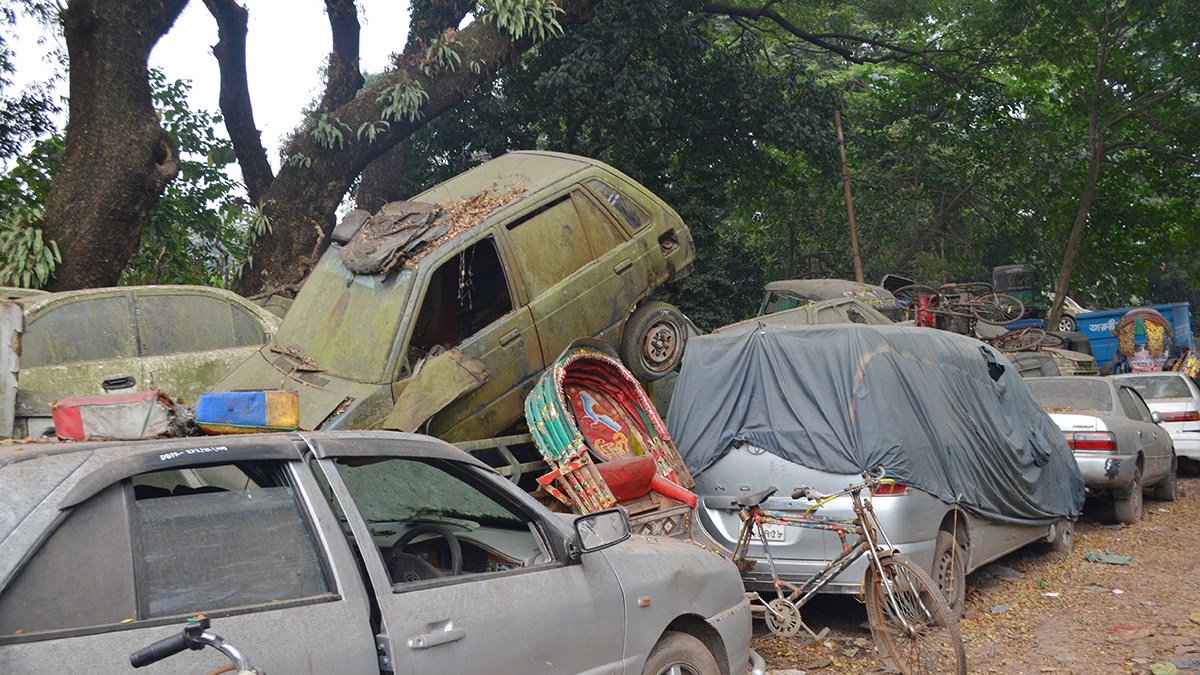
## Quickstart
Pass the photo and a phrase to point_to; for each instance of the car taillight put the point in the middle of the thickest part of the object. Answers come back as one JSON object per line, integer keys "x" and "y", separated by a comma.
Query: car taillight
{"x": 890, "y": 489}
{"x": 1094, "y": 440}
{"x": 1188, "y": 416}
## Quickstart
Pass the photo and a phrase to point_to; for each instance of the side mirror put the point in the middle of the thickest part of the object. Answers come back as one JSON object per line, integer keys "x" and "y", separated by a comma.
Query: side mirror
{"x": 1156, "y": 416}
{"x": 602, "y": 529}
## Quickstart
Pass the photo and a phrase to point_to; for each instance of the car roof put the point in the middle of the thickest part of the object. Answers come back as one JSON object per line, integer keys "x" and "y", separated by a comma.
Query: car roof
{"x": 828, "y": 288}
{"x": 530, "y": 169}
{"x": 117, "y": 460}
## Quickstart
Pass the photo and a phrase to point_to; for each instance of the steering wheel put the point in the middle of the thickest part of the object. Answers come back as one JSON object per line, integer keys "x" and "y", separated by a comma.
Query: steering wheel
{"x": 404, "y": 567}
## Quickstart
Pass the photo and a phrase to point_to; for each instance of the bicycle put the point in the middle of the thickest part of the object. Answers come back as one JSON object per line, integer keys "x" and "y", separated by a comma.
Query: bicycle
{"x": 961, "y": 304}
{"x": 195, "y": 637}
{"x": 909, "y": 617}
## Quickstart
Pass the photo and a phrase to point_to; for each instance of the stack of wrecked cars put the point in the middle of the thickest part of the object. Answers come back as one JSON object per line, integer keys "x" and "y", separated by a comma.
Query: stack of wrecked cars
{"x": 979, "y": 468}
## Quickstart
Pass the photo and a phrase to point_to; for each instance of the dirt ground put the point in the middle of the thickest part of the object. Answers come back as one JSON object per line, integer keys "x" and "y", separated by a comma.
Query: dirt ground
{"x": 1027, "y": 613}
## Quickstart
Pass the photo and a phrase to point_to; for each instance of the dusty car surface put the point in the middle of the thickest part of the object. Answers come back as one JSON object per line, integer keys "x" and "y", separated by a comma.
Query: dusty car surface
{"x": 808, "y": 407}
{"x": 841, "y": 310}
{"x": 1177, "y": 398}
{"x": 1117, "y": 442}
{"x": 180, "y": 339}
{"x": 790, "y": 293}
{"x": 456, "y": 332}
{"x": 340, "y": 552}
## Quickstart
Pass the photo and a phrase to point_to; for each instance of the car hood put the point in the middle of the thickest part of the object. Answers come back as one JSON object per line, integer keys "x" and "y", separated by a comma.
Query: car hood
{"x": 320, "y": 393}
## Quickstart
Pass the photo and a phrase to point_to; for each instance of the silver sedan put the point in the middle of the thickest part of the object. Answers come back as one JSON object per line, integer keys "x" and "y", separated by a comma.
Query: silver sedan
{"x": 1118, "y": 444}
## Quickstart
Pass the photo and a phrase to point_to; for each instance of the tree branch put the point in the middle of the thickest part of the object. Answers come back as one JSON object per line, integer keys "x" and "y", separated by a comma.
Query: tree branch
{"x": 343, "y": 79}
{"x": 230, "y": 51}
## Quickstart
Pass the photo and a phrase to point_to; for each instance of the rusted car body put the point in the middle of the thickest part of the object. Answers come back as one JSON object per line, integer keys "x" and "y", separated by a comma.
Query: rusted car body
{"x": 840, "y": 310}
{"x": 450, "y": 342}
{"x": 180, "y": 339}
{"x": 790, "y": 293}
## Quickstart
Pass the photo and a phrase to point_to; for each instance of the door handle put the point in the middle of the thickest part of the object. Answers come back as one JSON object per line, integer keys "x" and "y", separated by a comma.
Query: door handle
{"x": 510, "y": 336}
{"x": 623, "y": 265}
{"x": 436, "y": 638}
{"x": 1140, "y": 434}
{"x": 120, "y": 382}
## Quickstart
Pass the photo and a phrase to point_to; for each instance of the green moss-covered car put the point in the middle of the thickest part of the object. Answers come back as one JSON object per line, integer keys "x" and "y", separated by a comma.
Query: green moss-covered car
{"x": 440, "y": 313}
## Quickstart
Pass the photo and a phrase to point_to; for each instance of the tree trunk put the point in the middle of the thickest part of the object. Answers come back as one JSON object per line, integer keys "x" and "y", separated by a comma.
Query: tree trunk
{"x": 1096, "y": 152}
{"x": 118, "y": 160}
{"x": 302, "y": 200}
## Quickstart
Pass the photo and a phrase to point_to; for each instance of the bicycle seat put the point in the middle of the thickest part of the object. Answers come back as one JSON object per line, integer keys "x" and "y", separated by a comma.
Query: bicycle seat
{"x": 755, "y": 499}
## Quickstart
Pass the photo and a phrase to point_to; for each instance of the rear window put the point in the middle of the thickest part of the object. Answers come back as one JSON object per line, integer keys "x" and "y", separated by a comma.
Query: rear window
{"x": 1071, "y": 396}
{"x": 1154, "y": 388}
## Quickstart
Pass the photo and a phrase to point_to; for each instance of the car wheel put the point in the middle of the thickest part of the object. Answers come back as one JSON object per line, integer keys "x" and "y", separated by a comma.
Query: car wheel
{"x": 1166, "y": 490}
{"x": 1066, "y": 323}
{"x": 1129, "y": 509}
{"x": 950, "y": 572}
{"x": 653, "y": 341}
{"x": 680, "y": 654}
{"x": 1064, "y": 540}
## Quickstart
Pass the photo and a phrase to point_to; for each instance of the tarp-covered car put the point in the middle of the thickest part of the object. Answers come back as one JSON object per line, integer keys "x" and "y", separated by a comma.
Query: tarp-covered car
{"x": 980, "y": 469}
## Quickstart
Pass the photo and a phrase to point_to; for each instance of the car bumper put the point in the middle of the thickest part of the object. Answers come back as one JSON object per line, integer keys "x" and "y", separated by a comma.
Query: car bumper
{"x": 1106, "y": 471}
{"x": 1187, "y": 444}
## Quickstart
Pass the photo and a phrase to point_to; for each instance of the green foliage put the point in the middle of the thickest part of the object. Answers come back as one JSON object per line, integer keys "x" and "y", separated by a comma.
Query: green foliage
{"x": 403, "y": 102}
{"x": 198, "y": 231}
{"x": 301, "y": 160}
{"x": 441, "y": 55}
{"x": 519, "y": 18}
{"x": 372, "y": 129}
{"x": 327, "y": 131}
{"x": 25, "y": 258}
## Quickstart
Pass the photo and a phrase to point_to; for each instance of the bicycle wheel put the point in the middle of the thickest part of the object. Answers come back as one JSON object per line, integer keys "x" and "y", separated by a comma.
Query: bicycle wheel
{"x": 1020, "y": 340}
{"x": 910, "y": 621}
{"x": 998, "y": 309}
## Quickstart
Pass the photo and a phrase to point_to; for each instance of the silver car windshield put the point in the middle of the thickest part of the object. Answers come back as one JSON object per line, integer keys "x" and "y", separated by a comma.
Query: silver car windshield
{"x": 1071, "y": 395}
{"x": 1160, "y": 387}
{"x": 347, "y": 322}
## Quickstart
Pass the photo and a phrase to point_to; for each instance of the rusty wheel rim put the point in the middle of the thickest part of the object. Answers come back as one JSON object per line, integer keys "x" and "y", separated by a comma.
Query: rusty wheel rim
{"x": 660, "y": 346}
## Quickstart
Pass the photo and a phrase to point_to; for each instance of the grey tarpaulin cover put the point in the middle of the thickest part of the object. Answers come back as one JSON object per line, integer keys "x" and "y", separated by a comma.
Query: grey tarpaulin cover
{"x": 930, "y": 406}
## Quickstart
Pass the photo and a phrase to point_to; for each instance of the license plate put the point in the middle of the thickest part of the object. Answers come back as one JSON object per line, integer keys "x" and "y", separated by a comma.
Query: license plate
{"x": 774, "y": 531}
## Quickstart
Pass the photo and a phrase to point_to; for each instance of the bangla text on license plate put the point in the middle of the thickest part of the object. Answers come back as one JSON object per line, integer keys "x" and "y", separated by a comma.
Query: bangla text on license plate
{"x": 774, "y": 531}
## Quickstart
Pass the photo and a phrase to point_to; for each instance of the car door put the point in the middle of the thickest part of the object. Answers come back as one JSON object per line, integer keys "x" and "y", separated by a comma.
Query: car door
{"x": 189, "y": 341}
{"x": 146, "y": 542}
{"x": 1152, "y": 440}
{"x": 81, "y": 346}
{"x": 581, "y": 271}
{"x": 469, "y": 303}
{"x": 515, "y": 606}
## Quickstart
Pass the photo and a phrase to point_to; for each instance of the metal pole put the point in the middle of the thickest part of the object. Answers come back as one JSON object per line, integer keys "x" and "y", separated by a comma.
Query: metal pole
{"x": 858, "y": 270}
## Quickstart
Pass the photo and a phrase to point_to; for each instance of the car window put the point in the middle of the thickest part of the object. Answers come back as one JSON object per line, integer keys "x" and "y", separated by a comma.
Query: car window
{"x": 170, "y": 324}
{"x": 1127, "y": 404}
{"x": 778, "y": 302}
{"x": 415, "y": 509}
{"x": 602, "y": 234}
{"x": 90, "y": 329}
{"x": 465, "y": 295}
{"x": 1141, "y": 412}
{"x": 195, "y": 540}
{"x": 1159, "y": 387}
{"x": 830, "y": 315}
{"x": 1071, "y": 395}
{"x": 633, "y": 214}
{"x": 549, "y": 245}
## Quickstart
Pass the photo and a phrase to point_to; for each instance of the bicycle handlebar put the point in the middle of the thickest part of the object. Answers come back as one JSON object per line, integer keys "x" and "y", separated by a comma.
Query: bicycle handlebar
{"x": 161, "y": 650}
{"x": 193, "y": 637}
{"x": 871, "y": 480}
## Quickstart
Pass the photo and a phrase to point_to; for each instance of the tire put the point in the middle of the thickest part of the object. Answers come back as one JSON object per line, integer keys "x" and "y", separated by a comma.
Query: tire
{"x": 680, "y": 654}
{"x": 1168, "y": 489}
{"x": 1129, "y": 509}
{"x": 950, "y": 572}
{"x": 933, "y": 645}
{"x": 1064, "y": 540}
{"x": 653, "y": 341}
{"x": 1067, "y": 324}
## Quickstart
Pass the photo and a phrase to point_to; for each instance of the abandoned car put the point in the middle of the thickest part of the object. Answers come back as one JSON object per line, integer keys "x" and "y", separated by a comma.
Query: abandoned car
{"x": 340, "y": 552}
{"x": 789, "y": 293}
{"x": 816, "y": 406}
{"x": 1115, "y": 437}
{"x": 180, "y": 339}
{"x": 441, "y": 312}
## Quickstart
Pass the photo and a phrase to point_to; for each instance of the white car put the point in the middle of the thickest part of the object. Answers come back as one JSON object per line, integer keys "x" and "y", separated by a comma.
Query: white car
{"x": 1177, "y": 398}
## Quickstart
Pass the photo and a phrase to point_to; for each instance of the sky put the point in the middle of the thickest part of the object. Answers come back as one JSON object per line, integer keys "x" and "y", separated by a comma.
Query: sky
{"x": 286, "y": 46}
